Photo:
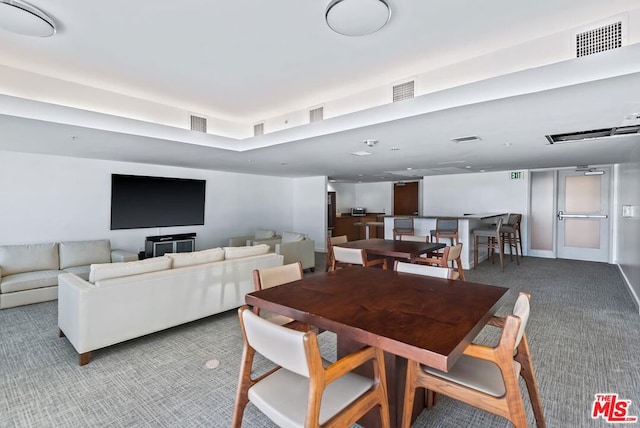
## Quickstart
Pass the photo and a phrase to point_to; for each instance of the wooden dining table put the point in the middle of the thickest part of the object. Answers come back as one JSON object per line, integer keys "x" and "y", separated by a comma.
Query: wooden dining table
{"x": 415, "y": 317}
{"x": 392, "y": 249}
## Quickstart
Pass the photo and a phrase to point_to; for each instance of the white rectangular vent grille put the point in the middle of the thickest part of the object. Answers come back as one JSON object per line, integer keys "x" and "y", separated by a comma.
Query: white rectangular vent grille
{"x": 599, "y": 39}
{"x": 316, "y": 114}
{"x": 198, "y": 124}
{"x": 258, "y": 129}
{"x": 404, "y": 91}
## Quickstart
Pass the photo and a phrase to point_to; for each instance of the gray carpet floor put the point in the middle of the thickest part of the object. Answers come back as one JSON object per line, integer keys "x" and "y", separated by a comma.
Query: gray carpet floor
{"x": 584, "y": 333}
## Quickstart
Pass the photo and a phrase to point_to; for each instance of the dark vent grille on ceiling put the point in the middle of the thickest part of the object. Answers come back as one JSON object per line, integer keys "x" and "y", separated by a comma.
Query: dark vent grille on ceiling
{"x": 198, "y": 124}
{"x": 258, "y": 129}
{"x": 316, "y": 114}
{"x": 404, "y": 91}
{"x": 592, "y": 134}
{"x": 599, "y": 39}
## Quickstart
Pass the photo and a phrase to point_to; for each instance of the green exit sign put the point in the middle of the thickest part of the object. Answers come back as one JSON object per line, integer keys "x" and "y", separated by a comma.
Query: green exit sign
{"x": 517, "y": 175}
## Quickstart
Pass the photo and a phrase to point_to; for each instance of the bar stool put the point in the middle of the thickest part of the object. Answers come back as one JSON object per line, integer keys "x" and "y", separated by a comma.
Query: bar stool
{"x": 511, "y": 231}
{"x": 446, "y": 228}
{"x": 402, "y": 226}
{"x": 494, "y": 240}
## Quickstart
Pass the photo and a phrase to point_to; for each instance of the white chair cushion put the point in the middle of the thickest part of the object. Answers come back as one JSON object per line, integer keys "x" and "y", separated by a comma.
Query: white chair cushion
{"x": 476, "y": 374}
{"x": 283, "y": 396}
{"x": 264, "y": 234}
{"x": 196, "y": 258}
{"x": 292, "y": 237}
{"x": 84, "y": 253}
{"x": 240, "y": 252}
{"x": 100, "y": 272}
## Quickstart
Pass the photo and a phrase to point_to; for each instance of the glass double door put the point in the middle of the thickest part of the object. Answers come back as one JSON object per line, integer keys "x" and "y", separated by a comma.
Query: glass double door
{"x": 570, "y": 214}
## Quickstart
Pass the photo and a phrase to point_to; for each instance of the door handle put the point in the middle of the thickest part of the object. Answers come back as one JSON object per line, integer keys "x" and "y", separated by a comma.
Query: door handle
{"x": 562, "y": 215}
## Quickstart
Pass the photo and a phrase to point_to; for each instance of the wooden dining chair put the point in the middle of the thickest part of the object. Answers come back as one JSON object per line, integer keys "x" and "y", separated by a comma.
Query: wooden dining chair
{"x": 303, "y": 390}
{"x": 426, "y": 270}
{"x": 450, "y": 255}
{"x": 414, "y": 238}
{"x": 402, "y": 226}
{"x": 485, "y": 377}
{"x": 354, "y": 256}
{"x": 272, "y": 277}
{"x": 494, "y": 242}
{"x": 331, "y": 241}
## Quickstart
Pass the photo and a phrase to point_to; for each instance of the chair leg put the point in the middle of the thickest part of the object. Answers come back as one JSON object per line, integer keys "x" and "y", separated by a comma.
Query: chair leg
{"x": 409, "y": 393}
{"x": 527, "y": 373}
{"x": 460, "y": 269}
{"x": 501, "y": 243}
{"x": 510, "y": 246}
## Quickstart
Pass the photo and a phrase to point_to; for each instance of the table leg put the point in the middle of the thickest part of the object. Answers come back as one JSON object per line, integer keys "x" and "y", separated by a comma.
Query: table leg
{"x": 396, "y": 369}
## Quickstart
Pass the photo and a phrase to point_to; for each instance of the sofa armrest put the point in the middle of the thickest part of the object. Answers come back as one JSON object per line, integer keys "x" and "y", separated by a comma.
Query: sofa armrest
{"x": 118, "y": 256}
{"x": 271, "y": 242}
{"x": 71, "y": 293}
{"x": 303, "y": 251}
{"x": 239, "y": 241}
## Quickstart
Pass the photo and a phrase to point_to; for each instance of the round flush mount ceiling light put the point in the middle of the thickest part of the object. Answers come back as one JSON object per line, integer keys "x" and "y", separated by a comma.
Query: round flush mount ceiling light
{"x": 22, "y": 18}
{"x": 357, "y": 17}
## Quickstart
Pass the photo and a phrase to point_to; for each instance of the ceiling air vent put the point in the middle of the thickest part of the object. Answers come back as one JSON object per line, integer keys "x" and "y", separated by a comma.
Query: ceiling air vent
{"x": 317, "y": 114}
{"x": 469, "y": 139}
{"x": 590, "y": 135}
{"x": 403, "y": 91}
{"x": 198, "y": 124}
{"x": 599, "y": 39}
{"x": 258, "y": 129}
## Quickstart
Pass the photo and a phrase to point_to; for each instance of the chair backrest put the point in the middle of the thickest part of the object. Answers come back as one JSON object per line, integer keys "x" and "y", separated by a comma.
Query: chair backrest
{"x": 521, "y": 309}
{"x": 448, "y": 224}
{"x": 337, "y": 240}
{"x": 514, "y": 219}
{"x": 425, "y": 270}
{"x": 352, "y": 256}
{"x": 414, "y": 238}
{"x": 454, "y": 252}
{"x": 281, "y": 345}
{"x": 278, "y": 275}
{"x": 403, "y": 224}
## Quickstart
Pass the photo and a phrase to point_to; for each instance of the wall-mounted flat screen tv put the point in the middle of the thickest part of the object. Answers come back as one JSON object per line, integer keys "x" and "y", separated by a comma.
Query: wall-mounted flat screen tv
{"x": 140, "y": 201}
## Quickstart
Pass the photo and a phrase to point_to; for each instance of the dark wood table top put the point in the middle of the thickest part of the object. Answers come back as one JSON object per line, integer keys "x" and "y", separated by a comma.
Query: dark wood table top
{"x": 427, "y": 319}
{"x": 397, "y": 249}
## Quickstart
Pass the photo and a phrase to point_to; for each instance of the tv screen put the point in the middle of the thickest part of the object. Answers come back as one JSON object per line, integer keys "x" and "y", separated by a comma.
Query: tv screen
{"x": 140, "y": 201}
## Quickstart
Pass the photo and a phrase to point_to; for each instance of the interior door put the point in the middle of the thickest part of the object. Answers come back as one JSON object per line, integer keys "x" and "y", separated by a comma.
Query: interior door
{"x": 583, "y": 226}
{"x": 405, "y": 198}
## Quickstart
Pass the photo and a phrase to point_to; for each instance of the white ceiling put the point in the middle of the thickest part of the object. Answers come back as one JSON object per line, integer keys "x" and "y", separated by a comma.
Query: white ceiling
{"x": 247, "y": 60}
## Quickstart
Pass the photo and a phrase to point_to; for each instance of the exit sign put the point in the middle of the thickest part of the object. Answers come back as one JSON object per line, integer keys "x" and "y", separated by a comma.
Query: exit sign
{"x": 517, "y": 175}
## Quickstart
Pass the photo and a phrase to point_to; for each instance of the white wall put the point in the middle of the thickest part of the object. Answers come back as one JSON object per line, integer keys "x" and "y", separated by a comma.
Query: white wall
{"x": 628, "y": 229}
{"x": 375, "y": 197}
{"x": 345, "y": 196}
{"x": 310, "y": 209}
{"x": 53, "y": 198}
{"x": 487, "y": 192}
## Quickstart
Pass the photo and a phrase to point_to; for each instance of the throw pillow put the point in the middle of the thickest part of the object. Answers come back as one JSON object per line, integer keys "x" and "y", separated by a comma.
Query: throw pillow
{"x": 292, "y": 237}
{"x": 196, "y": 258}
{"x": 239, "y": 252}
{"x": 264, "y": 234}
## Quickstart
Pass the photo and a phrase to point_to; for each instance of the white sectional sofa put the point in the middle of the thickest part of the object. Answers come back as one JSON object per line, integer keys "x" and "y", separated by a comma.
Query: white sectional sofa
{"x": 29, "y": 272}
{"x": 129, "y": 300}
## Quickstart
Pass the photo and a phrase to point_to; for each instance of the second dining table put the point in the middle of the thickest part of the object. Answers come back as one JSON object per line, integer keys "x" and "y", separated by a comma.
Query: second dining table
{"x": 430, "y": 320}
{"x": 394, "y": 249}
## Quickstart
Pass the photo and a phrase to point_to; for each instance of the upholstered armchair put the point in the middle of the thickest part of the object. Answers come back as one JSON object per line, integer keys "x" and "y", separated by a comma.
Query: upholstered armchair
{"x": 297, "y": 247}
{"x": 260, "y": 236}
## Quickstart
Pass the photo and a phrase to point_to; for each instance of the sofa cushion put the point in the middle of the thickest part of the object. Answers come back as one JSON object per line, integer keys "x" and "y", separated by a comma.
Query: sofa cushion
{"x": 292, "y": 237}
{"x": 264, "y": 234}
{"x": 240, "y": 252}
{"x": 29, "y": 281}
{"x": 196, "y": 258}
{"x": 28, "y": 258}
{"x": 84, "y": 253}
{"x": 81, "y": 271}
{"x": 100, "y": 272}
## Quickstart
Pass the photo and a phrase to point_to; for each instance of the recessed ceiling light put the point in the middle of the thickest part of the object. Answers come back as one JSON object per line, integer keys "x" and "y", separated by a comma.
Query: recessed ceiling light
{"x": 508, "y": 144}
{"x": 394, "y": 149}
{"x": 371, "y": 143}
{"x": 409, "y": 169}
{"x": 22, "y": 18}
{"x": 357, "y": 17}
{"x": 361, "y": 153}
{"x": 468, "y": 166}
{"x": 284, "y": 163}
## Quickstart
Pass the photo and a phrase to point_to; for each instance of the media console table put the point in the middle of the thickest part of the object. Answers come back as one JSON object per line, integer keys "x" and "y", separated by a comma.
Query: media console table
{"x": 155, "y": 246}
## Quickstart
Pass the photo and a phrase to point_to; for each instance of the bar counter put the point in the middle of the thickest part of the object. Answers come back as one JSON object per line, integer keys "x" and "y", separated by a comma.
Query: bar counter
{"x": 423, "y": 225}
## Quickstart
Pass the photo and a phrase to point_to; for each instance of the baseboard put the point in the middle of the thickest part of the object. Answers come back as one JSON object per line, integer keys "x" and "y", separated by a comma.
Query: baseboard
{"x": 634, "y": 296}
